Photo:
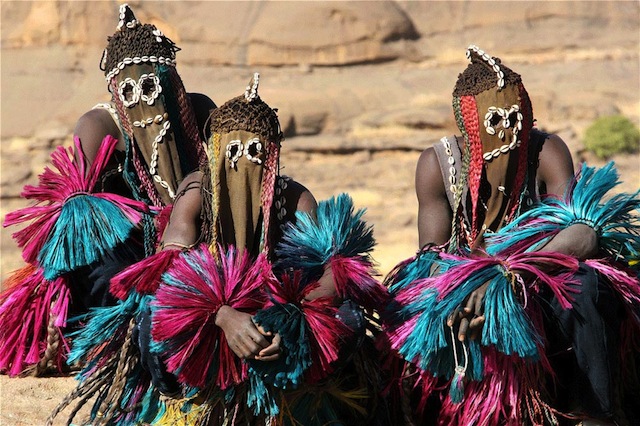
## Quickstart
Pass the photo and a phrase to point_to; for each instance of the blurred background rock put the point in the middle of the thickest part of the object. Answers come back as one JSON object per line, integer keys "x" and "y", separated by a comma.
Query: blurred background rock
{"x": 361, "y": 86}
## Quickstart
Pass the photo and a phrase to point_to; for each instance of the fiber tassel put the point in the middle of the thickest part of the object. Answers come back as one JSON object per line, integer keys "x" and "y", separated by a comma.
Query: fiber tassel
{"x": 143, "y": 276}
{"x": 112, "y": 376}
{"x": 69, "y": 226}
{"x": 262, "y": 397}
{"x": 499, "y": 397}
{"x": 27, "y": 307}
{"x": 87, "y": 227}
{"x": 310, "y": 333}
{"x": 456, "y": 389}
{"x": 162, "y": 220}
{"x": 615, "y": 220}
{"x": 353, "y": 277}
{"x": 183, "y": 313}
{"x": 327, "y": 333}
{"x": 622, "y": 281}
{"x": 104, "y": 332}
{"x": 308, "y": 244}
{"x": 415, "y": 268}
{"x": 288, "y": 321}
{"x": 426, "y": 305}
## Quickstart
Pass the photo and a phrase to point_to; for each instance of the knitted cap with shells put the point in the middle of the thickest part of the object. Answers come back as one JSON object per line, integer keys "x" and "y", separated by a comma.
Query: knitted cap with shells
{"x": 483, "y": 73}
{"x": 134, "y": 42}
{"x": 247, "y": 112}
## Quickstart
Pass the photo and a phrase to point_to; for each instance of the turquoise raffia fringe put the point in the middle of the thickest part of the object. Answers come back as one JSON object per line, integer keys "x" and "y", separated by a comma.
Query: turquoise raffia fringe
{"x": 87, "y": 227}
{"x": 616, "y": 219}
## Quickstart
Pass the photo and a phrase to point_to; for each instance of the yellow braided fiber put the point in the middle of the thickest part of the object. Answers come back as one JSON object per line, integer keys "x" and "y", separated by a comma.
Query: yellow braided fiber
{"x": 214, "y": 152}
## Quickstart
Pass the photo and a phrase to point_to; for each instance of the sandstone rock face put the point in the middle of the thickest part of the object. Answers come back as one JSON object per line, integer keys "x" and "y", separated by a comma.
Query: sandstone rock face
{"x": 361, "y": 86}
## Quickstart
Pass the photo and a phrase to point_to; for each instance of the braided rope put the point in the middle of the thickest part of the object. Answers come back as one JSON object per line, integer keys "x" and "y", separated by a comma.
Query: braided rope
{"x": 188, "y": 120}
{"x": 268, "y": 189}
{"x": 469, "y": 112}
{"x": 205, "y": 211}
{"x": 124, "y": 120}
{"x": 53, "y": 344}
{"x": 523, "y": 153}
{"x": 116, "y": 392}
{"x": 454, "y": 240}
{"x": 214, "y": 150}
{"x": 84, "y": 391}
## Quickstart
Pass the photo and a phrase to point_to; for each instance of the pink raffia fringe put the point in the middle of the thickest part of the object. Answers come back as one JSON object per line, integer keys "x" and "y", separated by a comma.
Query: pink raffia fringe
{"x": 26, "y": 307}
{"x": 143, "y": 276}
{"x": 55, "y": 187}
{"x": 185, "y": 308}
{"x": 353, "y": 277}
{"x": 326, "y": 332}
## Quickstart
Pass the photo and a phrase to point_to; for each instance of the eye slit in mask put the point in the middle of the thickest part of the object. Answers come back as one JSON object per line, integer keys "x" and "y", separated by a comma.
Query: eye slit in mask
{"x": 252, "y": 150}
{"x": 233, "y": 152}
{"x": 150, "y": 88}
{"x": 129, "y": 92}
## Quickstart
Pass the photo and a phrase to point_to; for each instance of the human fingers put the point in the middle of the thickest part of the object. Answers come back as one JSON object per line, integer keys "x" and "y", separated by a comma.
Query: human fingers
{"x": 464, "y": 327}
{"x": 256, "y": 337}
{"x": 478, "y": 305}
{"x": 240, "y": 349}
{"x": 470, "y": 304}
{"x": 271, "y": 352}
{"x": 243, "y": 342}
{"x": 475, "y": 326}
{"x": 263, "y": 331}
{"x": 453, "y": 317}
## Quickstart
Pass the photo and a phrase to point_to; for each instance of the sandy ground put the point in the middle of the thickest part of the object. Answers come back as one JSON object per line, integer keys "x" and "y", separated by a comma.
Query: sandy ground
{"x": 29, "y": 401}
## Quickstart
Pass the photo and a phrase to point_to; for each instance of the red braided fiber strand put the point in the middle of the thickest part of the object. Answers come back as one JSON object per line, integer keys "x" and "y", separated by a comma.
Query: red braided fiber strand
{"x": 143, "y": 175}
{"x": 469, "y": 111}
{"x": 523, "y": 151}
{"x": 187, "y": 118}
{"x": 458, "y": 232}
{"x": 268, "y": 186}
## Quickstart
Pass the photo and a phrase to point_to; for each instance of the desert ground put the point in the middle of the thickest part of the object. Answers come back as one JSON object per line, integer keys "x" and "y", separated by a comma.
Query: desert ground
{"x": 361, "y": 87}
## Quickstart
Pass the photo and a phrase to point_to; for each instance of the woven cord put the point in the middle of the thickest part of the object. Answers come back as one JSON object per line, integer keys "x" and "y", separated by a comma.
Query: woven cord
{"x": 53, "y": 344}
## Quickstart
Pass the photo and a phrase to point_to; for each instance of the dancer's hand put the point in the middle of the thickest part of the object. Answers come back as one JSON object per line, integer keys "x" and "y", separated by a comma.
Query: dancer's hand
{"x": 271, "y": 352}
{"x": 469, "y": 317}
{"x": 245, "y": 339}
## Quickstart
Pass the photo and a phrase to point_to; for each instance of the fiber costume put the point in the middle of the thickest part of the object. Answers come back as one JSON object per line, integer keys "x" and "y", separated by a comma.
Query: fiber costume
{"x": 537, "y": 304}
{"x": 257, "y": 255}
{"x": 88, "y": 223}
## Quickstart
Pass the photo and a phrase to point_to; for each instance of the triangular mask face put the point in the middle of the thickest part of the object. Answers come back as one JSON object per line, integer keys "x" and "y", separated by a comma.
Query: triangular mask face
{"x": 243, "y": 161}
{"x": 493, "y": 111}
{"x": 154, "y": 113}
